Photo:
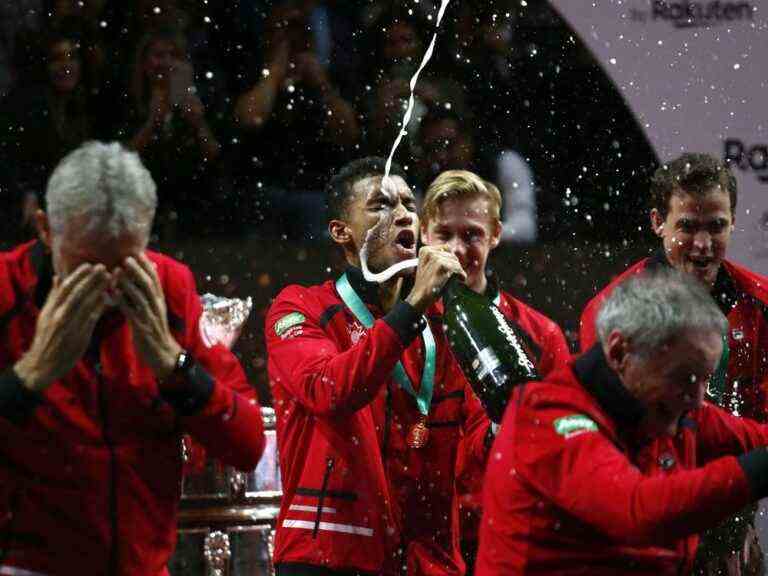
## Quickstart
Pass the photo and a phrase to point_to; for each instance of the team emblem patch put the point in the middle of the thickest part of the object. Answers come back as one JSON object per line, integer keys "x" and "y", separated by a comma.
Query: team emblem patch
{"x": 574, "y": 424}
{"x": 356, "y": 332}
{"x": 288, "y": 321}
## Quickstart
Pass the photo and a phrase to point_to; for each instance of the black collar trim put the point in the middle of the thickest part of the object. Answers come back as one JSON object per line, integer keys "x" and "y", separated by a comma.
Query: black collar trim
{"x": 493, "y": 285}
{"x": 42, "y": 265}
{"x": 368, "y": 291}
{"x": 604, "y": 385}
{"x": 724, "y": 291}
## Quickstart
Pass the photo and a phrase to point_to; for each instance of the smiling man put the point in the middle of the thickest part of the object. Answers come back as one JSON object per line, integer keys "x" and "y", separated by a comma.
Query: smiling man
{"x": 102, "y": 369}
{"x": 463, "y": 212}
{"x": 613, "y": 464}
{"x": 693, "y": 201}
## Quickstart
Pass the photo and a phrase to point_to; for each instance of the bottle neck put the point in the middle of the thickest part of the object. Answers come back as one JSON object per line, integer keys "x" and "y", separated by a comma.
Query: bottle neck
{"x": 452, "y": 289}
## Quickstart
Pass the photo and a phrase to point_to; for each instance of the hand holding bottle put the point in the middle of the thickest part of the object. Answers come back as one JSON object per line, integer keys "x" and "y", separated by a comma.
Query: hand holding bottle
{"x": 488, "y": 348}
{"x": 436, "y": 266}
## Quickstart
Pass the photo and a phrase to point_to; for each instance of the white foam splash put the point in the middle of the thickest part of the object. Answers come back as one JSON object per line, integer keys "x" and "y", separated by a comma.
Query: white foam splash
{"x": 409, "y": 110}
{"x": 385, "y": 220}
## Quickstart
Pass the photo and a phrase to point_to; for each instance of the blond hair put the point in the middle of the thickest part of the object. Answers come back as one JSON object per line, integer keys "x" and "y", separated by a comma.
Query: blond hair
{"x": 461, "y": 184}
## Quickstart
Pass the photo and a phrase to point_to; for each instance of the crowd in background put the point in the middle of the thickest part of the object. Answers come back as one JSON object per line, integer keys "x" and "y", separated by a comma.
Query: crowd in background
{"x": 242, "y": 110}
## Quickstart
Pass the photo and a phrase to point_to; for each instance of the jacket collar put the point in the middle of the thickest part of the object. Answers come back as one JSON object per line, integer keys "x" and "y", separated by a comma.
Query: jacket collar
{"x": 493, "y": 284}
{"x": 603, "y": 384}
{"x": 42, "y": 266}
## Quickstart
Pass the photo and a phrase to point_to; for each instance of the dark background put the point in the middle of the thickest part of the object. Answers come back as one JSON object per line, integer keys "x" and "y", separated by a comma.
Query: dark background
{"x": 249, "y": 221}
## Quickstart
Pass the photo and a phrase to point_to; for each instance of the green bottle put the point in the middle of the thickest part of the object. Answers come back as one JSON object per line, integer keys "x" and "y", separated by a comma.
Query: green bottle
{"x": 488, "y": 349}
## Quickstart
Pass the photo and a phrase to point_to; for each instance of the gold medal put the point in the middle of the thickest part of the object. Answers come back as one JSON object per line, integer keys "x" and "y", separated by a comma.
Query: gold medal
{"x": 419, "y": 434}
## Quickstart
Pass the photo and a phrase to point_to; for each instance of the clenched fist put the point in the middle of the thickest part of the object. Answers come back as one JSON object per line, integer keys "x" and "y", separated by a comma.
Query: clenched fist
{"x": 436, "y": 266}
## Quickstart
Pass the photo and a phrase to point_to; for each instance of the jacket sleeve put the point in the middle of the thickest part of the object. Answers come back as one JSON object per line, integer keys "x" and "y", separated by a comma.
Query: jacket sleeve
{"x": 719, "y": 433}
{"x": 217, "y": 405}
{"x": 16, "y": 402}
{"x": 569, "y": 461}
{"x": 478, "y": 435}
{"x": 310, "y": 365}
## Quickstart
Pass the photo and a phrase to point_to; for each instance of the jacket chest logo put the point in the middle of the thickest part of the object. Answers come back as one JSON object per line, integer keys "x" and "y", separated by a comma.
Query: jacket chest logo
{"x": 356, "y": 331}
{"x": 666, "y": 461}
{"x": 737, "y": 335}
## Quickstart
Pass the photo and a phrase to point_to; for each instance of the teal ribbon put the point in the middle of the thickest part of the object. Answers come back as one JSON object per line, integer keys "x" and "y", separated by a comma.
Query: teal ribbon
{"x": 716, "y": 388}
{"x": 361, "y": 312}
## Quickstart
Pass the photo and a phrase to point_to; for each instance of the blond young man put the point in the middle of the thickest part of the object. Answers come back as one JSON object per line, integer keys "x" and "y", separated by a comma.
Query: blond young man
{"x": 462, "y": 211}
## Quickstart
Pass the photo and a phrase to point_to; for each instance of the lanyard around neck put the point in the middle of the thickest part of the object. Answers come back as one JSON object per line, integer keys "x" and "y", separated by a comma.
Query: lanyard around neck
{"x": 364, "y": 316}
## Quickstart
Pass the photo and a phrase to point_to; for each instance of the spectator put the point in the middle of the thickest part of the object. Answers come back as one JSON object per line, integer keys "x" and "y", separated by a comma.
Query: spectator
{"x": 168, "y": 124}
{"x": 294, "y": 124}
{"x": 16, "y": 19}
{"x": 398, "y": 40}
{"x": 446, "y": 142}
{"x": 42, "y": 123}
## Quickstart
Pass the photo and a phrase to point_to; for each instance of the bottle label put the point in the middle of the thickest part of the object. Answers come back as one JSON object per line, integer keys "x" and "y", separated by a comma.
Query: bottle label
{"x": 485, "y": 363}
{"x": 509, "y": 334}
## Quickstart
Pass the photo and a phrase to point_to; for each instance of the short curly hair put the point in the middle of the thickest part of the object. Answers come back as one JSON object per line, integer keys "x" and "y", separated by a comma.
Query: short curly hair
{"x": 339, "y": 190}
{"x": 692, "y": 173}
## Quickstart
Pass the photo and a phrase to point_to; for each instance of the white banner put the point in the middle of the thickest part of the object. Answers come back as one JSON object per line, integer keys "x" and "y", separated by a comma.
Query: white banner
{"x": 693, "y": 73}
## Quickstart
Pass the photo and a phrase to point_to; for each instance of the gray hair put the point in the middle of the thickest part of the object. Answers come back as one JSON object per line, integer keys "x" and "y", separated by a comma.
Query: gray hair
{"x": 105, "y": 183}
{"x": 654, "y": 307}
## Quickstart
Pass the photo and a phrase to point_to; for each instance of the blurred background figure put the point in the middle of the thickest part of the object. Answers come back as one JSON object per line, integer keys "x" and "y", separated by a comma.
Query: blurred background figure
{"x": 16, "y": 18}
{"x": 447, "y": 141}
{"x": 42, "y": 121}
{"x": 294, "y": 124}
{"x": 397, "y": 36}
{"x": 168, "y": 124}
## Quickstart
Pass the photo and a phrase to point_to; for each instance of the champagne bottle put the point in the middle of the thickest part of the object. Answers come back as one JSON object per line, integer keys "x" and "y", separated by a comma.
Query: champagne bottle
{"x": 488, "y": 349}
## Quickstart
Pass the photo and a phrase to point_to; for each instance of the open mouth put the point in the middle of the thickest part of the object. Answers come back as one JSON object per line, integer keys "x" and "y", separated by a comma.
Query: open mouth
{"x": 405, "y": 241}
{"x": 700, "y": 262}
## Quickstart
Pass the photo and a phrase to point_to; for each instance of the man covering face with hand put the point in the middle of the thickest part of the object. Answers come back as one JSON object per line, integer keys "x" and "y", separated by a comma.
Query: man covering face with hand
{"x": 103, "y": 369}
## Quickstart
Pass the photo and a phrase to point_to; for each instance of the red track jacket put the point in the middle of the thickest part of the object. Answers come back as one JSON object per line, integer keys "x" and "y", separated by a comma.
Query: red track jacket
{"x": 424, "y": 480}
{"x": 90, "y": 470}
{"x": 548, "y": 349}
{"x": 743, "y": 297}
{"x": 570, "y": 489}
{"x": 354, "y": 492}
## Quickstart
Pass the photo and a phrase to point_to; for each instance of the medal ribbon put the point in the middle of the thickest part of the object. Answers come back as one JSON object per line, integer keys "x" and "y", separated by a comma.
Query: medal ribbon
{"x": 364, "y": 316}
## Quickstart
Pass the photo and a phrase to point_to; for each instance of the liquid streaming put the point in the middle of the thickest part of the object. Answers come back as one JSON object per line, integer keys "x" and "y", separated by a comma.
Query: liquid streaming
{"x": 387, "y": 216}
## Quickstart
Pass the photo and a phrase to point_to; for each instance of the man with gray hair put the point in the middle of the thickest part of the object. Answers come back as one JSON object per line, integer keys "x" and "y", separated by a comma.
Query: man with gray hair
{"x": 613, "y": 464}
{"x": 692, "y": 202}
{"x": 102, "y": 368}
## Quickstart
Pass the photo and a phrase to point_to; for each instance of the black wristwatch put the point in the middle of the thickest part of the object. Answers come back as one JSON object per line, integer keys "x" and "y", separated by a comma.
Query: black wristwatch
{"x": 183, "y": 362}
{"x": 180, "y": 371}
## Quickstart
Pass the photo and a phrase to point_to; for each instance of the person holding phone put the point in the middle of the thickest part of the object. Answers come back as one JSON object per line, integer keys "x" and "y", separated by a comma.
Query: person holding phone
{"x": 168, "y": 125}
